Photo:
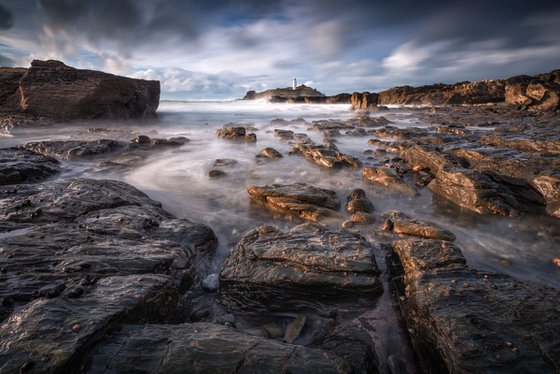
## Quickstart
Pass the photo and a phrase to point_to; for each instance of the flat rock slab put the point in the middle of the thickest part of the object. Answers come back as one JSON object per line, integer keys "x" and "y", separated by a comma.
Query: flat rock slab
{"x": 389, "y": 178}
{"x": 325, "y": 156}
{"x": 302, "y": 200}
{"x": 79, "y": 257}
{"x": 274, "y": 270}
{"x": 204, "y": 347}
{"x": 468, "y": 321}
{"x": 23, "y": 166}
{"x": 400, "y": 223}
{"x": 486, "y": 193}
{"x": 76, "y": 149}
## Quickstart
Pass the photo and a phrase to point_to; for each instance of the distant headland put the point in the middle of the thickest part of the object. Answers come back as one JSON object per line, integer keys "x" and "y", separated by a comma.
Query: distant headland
{"x": 539, "y": 92}
{"x": 298, "y": 94}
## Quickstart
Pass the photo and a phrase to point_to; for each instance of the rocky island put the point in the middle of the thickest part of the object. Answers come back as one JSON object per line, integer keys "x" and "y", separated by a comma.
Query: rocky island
{"x": 369, "y": 243}
{"x": 299, "y": 94}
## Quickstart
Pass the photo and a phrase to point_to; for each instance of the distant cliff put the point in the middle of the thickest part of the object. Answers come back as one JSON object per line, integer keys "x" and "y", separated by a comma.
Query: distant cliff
{"x": 540, "y": 92}
{"x": 53, "y": 90}
{"x": 303, "y": 94}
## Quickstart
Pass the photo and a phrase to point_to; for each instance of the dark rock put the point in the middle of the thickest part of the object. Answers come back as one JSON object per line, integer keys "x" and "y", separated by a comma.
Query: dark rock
{"x": 54, "y": 90}
{"x": 357, "y": 201}
{"x": 222, "y": 162}
{"x": 284, "y": 134}
{"x": 216, "y": 173}
{"x": 23, "y": 166}
{"x": 488, "y": 91}
{"x": 209, "y": 348}
{"x": 486, "y": 193}
{"x": 274, "y": 270}
{"x": 75, "y": 149}
{"x": 389, "y": 178}
{"x": 302, "y": 200}
{"x": 468, "y": 321}
{"x": 325, "y": 156}
{"x": 236, "y": 133}
{"x": 282, "y": 95}
{"x": 400, "y": 223}
{"x": 269, "y": 153}
{"x": 120, "y": 256}
{"x": 145, "y": 142}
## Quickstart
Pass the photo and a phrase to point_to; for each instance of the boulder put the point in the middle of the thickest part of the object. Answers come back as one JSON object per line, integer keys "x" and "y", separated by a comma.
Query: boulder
{"x": 357, "y": 201}
{"x": 463, "y": 320}
{"x": 534, "y": 93}
{"x": 284, "y": 134}
{"x": 311, "y": 263}
{"x": 54, "y": 90}
{"x": 325, "y": 156}
{"x": 389, "y": 178}
{"x": 81, "y": 257}
{"x": 204, "y": 347}
{"x": 24, "y": 166}
{"x": 400, "y": 223}
{"x": 298, "y": 199}
{"x": 236, "y": 133}
{"x": 269, "y": 153}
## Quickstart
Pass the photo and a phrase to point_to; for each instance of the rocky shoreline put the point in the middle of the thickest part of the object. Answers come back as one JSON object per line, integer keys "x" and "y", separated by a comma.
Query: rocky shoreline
{"x": 97, "y": 277}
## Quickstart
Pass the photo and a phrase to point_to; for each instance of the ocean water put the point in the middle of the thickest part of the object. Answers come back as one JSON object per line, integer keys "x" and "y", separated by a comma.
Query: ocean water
{"x": 178, "y": 177}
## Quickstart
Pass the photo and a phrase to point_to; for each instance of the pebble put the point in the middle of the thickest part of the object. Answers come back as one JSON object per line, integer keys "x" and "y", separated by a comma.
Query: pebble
{"x": 76, "y": 327}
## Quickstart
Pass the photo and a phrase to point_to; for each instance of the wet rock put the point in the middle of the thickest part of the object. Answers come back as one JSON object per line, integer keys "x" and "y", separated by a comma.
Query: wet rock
{"x": 325, "y": 156}
{"x": 389, "y": 178}
{"x": 75, "y": 149}
{"x": 486, "y": 193}
{"x": 302, "y": 200}
{"x": 100, "y": 253}
{"x": 212, "y": 348}
{"x": 275, "y": 271}
{"x": 269, "y": 153}
{"x": 23, "y": 166}
{"x": 145, "y": 142}
{"x": 357, "y": 201}
{"x": 549, "y": 187}
{"x": 236, "y": 133}
{"x": 362, "y": 217}
{"x": 54, "y": 90}
{"x": 216, "y": 173}
{"x": 357, "y": 132}
{"x": 329, "y": 125}
{"x": 302, "y": 138}
{"x": 400, "y": 223}
{"x": 222, "y": 162}
{"x": 284, "y": 134}
{"x": 464, "y": 321}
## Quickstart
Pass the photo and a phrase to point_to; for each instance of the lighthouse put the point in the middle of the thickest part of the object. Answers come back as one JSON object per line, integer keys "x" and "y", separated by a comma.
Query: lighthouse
{"x": 294, "y": 84}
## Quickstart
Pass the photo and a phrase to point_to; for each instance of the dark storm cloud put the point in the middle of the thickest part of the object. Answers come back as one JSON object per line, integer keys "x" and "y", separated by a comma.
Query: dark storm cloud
{"x": 6, "y": 18}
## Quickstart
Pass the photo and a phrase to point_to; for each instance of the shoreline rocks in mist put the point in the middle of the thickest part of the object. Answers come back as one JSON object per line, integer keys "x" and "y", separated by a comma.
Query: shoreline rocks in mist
{"x": 53, "y": 90}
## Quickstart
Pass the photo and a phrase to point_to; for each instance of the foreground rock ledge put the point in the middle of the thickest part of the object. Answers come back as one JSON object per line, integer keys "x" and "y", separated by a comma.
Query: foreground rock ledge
{"x": 468, "y": 321}
{"x": 53, "y": 90}
{"x": 80, "y": 257}
{"x": 274, "y": 270}
{"x": 204, "y": 347}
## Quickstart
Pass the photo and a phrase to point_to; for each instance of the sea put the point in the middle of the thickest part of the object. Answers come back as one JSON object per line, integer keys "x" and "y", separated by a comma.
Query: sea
{"x": 178, "y": 178}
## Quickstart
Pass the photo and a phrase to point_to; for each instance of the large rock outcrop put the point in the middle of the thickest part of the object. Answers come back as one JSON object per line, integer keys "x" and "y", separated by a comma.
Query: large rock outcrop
{"x": 468, "y": 321}
{"x": 53, "y": 90}
{"x": 280, "y": 271}
{"x": 79, "y": 258}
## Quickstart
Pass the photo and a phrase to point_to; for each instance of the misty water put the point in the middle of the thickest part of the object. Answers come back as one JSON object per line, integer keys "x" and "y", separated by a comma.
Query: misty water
{"x": 178, "y": 177}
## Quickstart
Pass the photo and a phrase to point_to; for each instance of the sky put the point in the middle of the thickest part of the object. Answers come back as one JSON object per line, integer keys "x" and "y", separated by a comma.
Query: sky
{"x": 221, "y": 49}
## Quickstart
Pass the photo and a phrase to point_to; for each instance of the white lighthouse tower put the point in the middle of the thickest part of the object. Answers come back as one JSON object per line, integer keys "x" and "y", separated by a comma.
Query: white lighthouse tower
{"x": 294, "y": 84}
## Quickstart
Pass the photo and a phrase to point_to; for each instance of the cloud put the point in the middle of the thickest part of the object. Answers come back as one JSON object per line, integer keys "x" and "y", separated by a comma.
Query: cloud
{"x": 351, "y": 45}
{"x": 6, "y": 18}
